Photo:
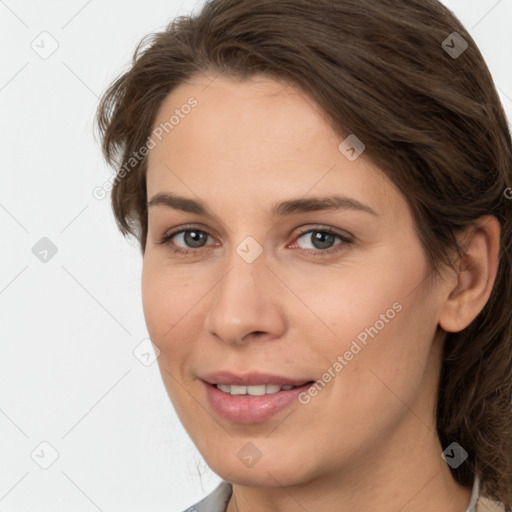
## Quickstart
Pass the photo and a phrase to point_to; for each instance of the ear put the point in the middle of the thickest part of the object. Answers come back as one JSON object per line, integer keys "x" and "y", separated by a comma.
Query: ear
{"x": 467, "y": 294}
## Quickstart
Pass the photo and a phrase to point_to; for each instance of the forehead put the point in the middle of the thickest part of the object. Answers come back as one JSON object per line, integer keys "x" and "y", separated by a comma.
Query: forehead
{"x": 254, "y": 133}
{"x": 256, "y": 107}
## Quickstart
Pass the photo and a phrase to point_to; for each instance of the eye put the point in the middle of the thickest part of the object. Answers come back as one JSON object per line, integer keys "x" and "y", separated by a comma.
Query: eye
{"x": 187, "y": 240}
{"x": 322, "y": 241}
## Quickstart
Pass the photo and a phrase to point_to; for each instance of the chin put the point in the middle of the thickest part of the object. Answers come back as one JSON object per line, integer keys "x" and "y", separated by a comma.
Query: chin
{"x": 264, "y": 473}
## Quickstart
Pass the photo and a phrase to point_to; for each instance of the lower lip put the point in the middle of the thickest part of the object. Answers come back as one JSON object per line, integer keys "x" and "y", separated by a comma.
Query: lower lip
{"x": 251, "y": 409}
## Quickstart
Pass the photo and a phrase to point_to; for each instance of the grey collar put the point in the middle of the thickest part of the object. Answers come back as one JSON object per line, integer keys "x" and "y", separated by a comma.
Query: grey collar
{"x": 475, "y": 494}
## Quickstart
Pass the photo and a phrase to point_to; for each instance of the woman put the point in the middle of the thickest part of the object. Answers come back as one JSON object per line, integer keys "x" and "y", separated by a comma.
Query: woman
{"x": 321, "y": 195}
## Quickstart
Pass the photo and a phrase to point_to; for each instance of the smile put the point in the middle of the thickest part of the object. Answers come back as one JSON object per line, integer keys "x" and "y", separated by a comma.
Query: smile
{"x": 258, "y": 390}
{"x": 251, "y": 404}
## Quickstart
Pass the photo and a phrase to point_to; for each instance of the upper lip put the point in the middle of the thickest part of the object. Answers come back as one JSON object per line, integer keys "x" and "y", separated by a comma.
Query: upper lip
{"x": 251, "y": 379}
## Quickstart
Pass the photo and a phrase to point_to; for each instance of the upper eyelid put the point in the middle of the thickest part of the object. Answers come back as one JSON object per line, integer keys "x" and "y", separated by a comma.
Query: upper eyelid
{"x": 173, "y": 232}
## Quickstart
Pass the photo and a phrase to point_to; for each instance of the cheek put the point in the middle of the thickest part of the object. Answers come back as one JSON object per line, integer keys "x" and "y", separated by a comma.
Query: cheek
{"x": 164, "y": 313}
{"x": 167, "y": 298}
{"x": 174, "y": 305}
{"x": 346, "y": 304}
{"x": 154, "y": 302}
{"x": 385, "y": 361}
{"x": 382, "y": 325}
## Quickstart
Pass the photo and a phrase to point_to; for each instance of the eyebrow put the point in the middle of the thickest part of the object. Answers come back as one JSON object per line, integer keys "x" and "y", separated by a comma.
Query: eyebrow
{"x": 289, "y": 207}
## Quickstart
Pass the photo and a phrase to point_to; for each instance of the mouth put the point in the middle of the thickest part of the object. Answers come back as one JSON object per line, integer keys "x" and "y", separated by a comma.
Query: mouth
{"x": 255, "y": 402}
{"x": 256, "y": 390}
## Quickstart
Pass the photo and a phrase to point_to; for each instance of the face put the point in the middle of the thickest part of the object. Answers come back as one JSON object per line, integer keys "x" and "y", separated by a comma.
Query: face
{"x": 251, "y": 277}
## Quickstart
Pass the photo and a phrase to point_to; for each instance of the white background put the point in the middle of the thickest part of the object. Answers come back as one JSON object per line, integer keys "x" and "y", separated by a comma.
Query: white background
{"x": 68, "y": 327}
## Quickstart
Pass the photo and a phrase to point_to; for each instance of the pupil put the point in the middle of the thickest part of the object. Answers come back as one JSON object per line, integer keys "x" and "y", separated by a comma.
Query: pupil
{"x": 323, "y": 239}
{"x": 193, "y": 238}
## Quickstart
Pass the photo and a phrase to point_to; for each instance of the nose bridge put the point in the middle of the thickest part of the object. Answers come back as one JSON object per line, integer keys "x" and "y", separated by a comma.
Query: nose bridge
{"x": 242, "y": 301}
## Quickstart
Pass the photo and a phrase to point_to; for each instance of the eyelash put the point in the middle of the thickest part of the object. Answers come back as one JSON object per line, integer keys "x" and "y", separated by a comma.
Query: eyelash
{"x": 345, "y": 240}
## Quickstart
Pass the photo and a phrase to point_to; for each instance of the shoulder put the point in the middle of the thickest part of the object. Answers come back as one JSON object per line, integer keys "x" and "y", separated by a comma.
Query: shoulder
{"x": 488, "y": 505}
{"x": 216, "y": 501}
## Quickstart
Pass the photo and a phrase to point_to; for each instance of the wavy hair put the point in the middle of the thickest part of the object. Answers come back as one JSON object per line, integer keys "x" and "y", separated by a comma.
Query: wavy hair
{"x": 394, "y": 73}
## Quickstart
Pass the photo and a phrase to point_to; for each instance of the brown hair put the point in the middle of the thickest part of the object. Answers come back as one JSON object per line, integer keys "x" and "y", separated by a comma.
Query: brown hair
{"x": 431, "y": 120}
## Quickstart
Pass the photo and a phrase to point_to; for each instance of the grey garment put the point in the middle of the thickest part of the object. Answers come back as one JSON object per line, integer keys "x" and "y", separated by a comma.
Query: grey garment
{"x": 479, "y": 503}
{"x": 217, "y": 500}
{"x": 475, "y": 494}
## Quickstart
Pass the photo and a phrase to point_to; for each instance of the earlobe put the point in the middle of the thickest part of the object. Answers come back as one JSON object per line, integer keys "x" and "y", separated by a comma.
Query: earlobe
{"x": 476, "y": 274}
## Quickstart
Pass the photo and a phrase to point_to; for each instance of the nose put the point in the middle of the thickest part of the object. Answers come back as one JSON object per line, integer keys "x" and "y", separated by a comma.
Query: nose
{"x": 244, "y": 304}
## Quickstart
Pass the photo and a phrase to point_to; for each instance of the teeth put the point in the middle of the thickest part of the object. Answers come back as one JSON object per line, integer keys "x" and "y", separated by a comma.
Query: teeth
{"x": 259, "y": 390}
{"x": 239, "y": 390}
{"x": 224, "y": 387}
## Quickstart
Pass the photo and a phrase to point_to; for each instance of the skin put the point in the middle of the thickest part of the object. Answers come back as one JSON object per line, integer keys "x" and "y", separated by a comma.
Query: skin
{"x": 368, "y": 440}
